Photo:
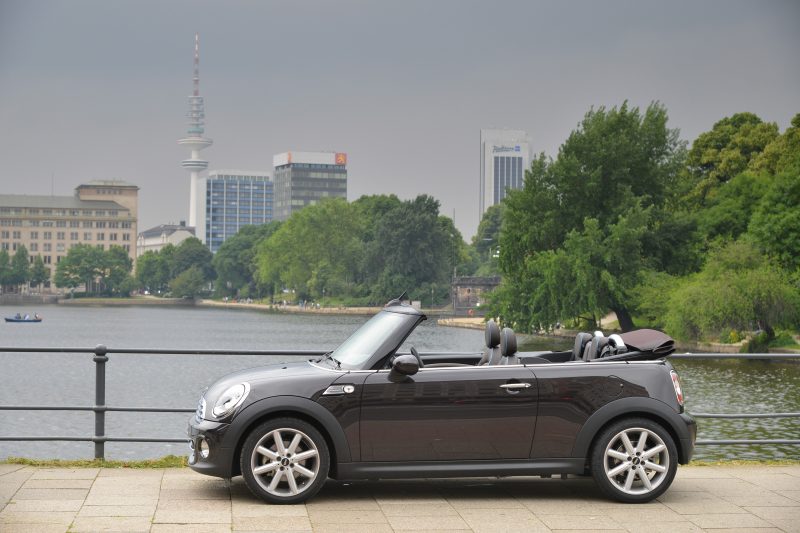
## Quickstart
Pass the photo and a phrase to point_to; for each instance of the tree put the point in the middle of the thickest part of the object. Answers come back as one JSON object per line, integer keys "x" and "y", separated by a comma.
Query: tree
{"x": 775, "y": 224}
{"x": 189, "y": 283}
{"x": 318, "y": 248}
{"x": 5, "y": 268}
{"x": 738, "y": 289}
{"x": 718, "y": 155}
{"x": 594, "y": 217}
{"x": 20, "y": 267}
{"x": 40, "y": 274}
{"x": 117, "y": 275}
{"x": 152, "y": 271}
{"x": 82, "y": 264}
{"x": 782, "y": 153}
{"x": 191, "y": 252}
{"x": 235, "y": 263}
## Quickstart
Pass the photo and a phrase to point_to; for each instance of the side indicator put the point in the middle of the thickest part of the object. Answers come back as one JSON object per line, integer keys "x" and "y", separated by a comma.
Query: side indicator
{"x": 334, "y": 390}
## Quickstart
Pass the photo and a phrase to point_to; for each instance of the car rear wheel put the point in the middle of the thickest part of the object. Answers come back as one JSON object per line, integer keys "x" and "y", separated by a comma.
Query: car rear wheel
{"x": 634, "y": 460}
{"x": 285, "y": 460}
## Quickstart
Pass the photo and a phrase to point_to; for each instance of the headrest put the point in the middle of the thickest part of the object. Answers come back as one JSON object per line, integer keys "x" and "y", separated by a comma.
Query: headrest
{"x": 492, "y": 334}
{"x": 508, "y": 342}
{"x": 581, "y": 339}
{"x": 595, "y": 349}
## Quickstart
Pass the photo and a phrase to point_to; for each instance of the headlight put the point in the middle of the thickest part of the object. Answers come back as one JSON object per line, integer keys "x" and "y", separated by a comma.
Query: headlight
{"x": 230, "y": 400}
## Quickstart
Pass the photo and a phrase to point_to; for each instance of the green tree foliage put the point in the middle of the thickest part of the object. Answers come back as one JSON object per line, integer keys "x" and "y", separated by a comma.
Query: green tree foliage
{"x": 317, "y": 248}
{"x": 574, "y": 239}
{"x": 152, "y": 271}
{"x": 5, "y": 268}
{"x": 20, "y": 267}
{"x": 235, "y": 263}
{"x": 738, "y": 289}
{"x": 189, "y": 283}
{"x": 190, "y": 253}
{"x": 781, "y": 154}
{"x": 101, "y": 271}
{"x": 718, "y": 155}
{"x": 775, "y": 224}
{"x": 40, "y": 273}
{"x": 83, "y": 264}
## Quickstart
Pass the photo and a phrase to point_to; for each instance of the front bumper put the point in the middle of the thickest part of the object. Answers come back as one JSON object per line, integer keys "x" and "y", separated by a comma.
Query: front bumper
{"x": 219, "y": 462}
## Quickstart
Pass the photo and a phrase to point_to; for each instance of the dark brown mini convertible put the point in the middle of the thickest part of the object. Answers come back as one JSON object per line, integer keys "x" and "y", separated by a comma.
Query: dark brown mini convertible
{"x": 611, "y": 407}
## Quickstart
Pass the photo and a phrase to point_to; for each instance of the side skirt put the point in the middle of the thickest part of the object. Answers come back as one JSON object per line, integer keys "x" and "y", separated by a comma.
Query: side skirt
{"x": 432, "y": 469}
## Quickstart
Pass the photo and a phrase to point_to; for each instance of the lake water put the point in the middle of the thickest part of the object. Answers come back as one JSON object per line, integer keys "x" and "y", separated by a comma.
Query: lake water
{"x": 176, "y": 380}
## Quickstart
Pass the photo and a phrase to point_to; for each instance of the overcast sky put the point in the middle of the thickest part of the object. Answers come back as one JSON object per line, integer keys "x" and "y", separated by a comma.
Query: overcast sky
{"x": 97, "y": 89}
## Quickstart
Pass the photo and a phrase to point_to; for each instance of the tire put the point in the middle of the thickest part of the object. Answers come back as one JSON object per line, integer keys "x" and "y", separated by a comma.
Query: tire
{"x": 630, "y": 469}
{"x": 270, "y": 464}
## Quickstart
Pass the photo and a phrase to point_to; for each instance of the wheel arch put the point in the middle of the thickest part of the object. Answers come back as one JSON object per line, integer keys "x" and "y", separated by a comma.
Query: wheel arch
{"x": 292, "y": 407}
{"x": 648, "y": 408}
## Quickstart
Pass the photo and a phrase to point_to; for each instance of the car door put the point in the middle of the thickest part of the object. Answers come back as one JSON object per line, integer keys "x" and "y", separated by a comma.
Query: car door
{"x": 445, "y": 414}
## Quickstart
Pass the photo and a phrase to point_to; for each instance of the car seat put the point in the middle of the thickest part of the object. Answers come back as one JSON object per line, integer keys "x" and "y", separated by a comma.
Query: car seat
{"x": 508, "y": 347}
{"x": 491, "y": 355}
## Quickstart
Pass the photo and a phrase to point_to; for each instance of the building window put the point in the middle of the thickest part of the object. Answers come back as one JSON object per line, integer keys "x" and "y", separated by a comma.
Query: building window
{"x": 60, "y": 247}
{"x": 34, "y": 235}
{"x": 74, "y": 224}
{"x": 87, "y": 223}
{"x": 34, "y": 247}
{"x": 16, "y": 235}
{"x": 61, "y": 223}
{"x": 61, "y": 235}
{"x": 87, "y": 236}
{"x": 101, "y": 237}
{"x": 47, "y": 223}
{"x": 112, "y": 236}
{"x": 73, "y": 235}
{"x": 47, "y": 247}
{"x": 99, "y": 213}
{"x": 100, "y": 224}
{"x": 46, "y": 259}
{"x": 5, "y": 234}
{"x": 113, "y": 224}
{"x": 34, "y": 223}
{"x": 126, "y": 236}
{"x": 48, "y": 235}
{"x": 4, "y": 246}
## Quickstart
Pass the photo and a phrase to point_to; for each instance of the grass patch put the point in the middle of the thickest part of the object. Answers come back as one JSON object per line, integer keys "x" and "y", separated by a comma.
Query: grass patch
{"x": 747, "y": 462}
{"x": 168, "y": 461}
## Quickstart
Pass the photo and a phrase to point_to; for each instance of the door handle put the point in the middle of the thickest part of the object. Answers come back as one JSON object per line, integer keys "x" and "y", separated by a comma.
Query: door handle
{"x": 512, "y": 386}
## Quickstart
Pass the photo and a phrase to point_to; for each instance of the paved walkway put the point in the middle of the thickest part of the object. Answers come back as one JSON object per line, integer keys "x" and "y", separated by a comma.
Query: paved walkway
{"x": 160, "y": 501}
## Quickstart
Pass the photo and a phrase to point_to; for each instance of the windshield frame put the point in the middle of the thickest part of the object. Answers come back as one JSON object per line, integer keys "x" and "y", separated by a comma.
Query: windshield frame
{"x": 376, "y": 339}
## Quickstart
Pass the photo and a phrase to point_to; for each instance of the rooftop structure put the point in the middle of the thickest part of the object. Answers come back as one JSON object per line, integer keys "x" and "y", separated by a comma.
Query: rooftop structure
{"x": 304, "y": 178}
{"x": 195, "y": 140}
{"x": 156, "y": 238}
{"x": 505, "y": 155}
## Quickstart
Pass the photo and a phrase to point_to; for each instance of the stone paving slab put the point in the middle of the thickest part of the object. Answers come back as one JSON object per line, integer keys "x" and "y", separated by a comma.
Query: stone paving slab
{"x": 715, "y": 499}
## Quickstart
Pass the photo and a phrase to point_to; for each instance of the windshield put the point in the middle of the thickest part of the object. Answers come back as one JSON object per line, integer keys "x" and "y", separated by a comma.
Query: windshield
{"x": 367, "y": 339}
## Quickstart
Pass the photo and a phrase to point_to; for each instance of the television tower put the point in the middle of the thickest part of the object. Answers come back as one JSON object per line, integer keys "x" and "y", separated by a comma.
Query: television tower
{"x": 195, "y": 141}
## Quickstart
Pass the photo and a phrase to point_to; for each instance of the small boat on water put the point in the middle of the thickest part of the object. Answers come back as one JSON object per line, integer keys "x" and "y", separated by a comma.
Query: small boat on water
{"x": 26, "y": 318}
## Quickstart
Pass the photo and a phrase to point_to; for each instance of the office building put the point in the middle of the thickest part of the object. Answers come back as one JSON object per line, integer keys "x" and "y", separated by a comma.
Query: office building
{"x": 232, "y": 199}
{"x": 102, "y": 213}
{"x": 505, "y": 155}
{"x": 156, "y": 238}
{"x": 305, "y": 178}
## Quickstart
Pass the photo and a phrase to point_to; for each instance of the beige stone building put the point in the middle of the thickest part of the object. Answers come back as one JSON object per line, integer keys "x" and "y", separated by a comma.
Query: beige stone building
{"x": 102, "y": 213}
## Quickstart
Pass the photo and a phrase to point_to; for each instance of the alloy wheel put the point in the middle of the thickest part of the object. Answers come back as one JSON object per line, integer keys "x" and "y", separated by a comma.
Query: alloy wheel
{"x": 636, "y": 461}
{"x": 285, "y": 462}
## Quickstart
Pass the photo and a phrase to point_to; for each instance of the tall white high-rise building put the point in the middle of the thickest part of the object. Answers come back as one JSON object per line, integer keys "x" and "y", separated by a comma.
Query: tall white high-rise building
{"x": 505, "y": 155}
{"x": 195, "y": 142}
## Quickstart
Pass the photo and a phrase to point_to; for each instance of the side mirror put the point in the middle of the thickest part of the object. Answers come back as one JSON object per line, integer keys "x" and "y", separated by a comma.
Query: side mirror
{"x": 405, "y": 365}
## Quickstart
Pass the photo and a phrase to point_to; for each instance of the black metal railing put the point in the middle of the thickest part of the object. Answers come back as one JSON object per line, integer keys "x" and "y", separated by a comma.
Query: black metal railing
{"x": 100, "y": 408}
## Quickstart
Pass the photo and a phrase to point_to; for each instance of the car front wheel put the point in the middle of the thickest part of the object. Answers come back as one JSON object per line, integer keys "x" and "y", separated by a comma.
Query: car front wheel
{"x": 634, "y": 460}
{"x": 285, "y": 460}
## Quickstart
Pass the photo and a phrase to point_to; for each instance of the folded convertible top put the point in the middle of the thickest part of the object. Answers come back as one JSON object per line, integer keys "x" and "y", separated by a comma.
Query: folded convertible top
{"x": 649, "y": 340}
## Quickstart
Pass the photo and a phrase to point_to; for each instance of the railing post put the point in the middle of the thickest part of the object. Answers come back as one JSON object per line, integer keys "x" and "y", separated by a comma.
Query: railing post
{"x": 100, "y": 359}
